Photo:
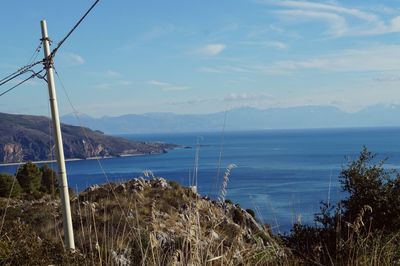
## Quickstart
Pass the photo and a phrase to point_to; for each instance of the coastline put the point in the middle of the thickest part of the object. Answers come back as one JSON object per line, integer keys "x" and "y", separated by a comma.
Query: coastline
{"x": 78, "y": 159}
{"x": 91, "y": 158}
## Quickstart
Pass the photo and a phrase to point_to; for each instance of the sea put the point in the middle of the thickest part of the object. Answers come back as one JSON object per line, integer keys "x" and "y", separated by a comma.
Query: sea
{"x": 282, "y": 175}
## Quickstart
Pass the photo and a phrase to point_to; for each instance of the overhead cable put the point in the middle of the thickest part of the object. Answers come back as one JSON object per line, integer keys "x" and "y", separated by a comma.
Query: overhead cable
{"x": 19, "y": 72}
{"x": 73, "y": 29}
{"x": 20, "y": 83}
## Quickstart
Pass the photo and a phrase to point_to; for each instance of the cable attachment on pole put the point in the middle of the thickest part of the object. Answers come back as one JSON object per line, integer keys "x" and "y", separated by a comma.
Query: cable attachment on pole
{"x": 48, "y": 62}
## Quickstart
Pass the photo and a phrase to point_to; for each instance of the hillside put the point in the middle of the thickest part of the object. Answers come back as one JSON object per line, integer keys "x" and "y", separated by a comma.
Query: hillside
{"x": 27, "y": 138}
{"x": 244, "y": 119}
{"x": 140, "y": 222}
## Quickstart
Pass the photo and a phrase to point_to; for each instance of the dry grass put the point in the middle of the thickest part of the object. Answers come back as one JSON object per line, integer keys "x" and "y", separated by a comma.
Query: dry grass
{"x": 141, "y": 222}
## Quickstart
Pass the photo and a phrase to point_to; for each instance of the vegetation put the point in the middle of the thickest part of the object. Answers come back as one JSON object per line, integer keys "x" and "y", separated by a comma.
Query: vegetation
{"x": 29, "y": 177}
{"x": 49, "y": 184}
{"x": 363, "y": 228}
{"x": 9, "y": 186}
{"x": 26, "y": 137}
{"x": 155, "y": 222}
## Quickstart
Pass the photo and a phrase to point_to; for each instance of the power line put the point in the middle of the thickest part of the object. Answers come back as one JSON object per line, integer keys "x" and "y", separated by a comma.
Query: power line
{"x": 73, "y": 29}
{"x": 19, "y": 72}
{"x": 28, "y": 67}
{"x": 35, "y": 54}
{"x": 20, "y": 83}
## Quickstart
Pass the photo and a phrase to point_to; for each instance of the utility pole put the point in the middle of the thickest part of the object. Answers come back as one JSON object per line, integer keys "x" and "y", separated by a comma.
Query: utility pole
{"x": 62, "y": 174}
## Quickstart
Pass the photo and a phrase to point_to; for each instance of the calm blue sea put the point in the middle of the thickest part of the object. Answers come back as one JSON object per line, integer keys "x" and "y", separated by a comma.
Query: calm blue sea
{"x": 281, "y": 174}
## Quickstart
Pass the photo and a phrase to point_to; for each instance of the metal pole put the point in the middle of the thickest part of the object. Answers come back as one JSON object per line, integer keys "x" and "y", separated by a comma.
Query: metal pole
{"x": 62, "y": 174}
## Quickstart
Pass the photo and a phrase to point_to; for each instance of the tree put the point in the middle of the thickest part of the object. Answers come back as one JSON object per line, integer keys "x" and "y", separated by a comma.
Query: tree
{"x": 370, "y": 210}
{"x": 8, "y": 182}
{"x": 49, "y": 182}
{"x": 29, "y": 177}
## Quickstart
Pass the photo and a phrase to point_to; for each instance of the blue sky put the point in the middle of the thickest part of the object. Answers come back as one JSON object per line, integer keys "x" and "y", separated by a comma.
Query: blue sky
{"x": 206, "y": 56}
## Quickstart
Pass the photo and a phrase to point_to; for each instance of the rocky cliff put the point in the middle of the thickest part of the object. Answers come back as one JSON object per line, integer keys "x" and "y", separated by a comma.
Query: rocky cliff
{"x": 29, "y": 138}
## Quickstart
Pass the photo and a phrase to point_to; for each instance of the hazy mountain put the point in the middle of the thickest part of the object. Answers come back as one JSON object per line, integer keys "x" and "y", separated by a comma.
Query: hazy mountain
{"x": 27, "y": 137}
{"x": 244, "y": 119}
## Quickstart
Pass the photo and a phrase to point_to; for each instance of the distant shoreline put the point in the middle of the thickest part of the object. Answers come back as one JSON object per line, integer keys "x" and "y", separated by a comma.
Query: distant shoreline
{"x": 78, "y": 159}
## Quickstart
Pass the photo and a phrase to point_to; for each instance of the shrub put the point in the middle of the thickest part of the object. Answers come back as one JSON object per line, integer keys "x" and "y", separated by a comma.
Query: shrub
{"x": 49, "y": 182}
{"x": 237, "y": 216}
{"x": 6, "y": 183}
{"x": 29, "y": 177}
{"x": 345, "y": 232}
{"x": 174, "y": 184}
{"x": 251, "y": 212}
{"x": 228, "y": 201}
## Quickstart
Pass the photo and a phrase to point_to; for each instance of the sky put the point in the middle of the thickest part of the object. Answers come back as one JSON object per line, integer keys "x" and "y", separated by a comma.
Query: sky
{"x": 189, "y": 57}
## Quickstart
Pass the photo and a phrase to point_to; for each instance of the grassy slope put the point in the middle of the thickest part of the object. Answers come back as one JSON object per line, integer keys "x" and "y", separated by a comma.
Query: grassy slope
{"x": 144, "y": 222}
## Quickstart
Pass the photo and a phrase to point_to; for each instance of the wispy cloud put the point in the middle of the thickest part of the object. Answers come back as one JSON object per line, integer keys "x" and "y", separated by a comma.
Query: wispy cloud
{"x": 387, "y": 79}
{"x": 337, "y": 24}
{"x": 112, "y": 73}
{"x": 188, "y": 102}
{"x": 158, "y": 31}
{"x": 277, "y": 45}
{"x": 158, "y": 83}
{"x": 112, "y": 85}
{"x": 223, "y": 69}
{"x": 306, "y": 5}
{"x": 341, "y": 20}
{"x": 165, "y": 86}
{"x": 379, "y": 58}
{"x": 247, "y": 96}
{"x": 72, "y": 59}
{"x": 211, "y": 49}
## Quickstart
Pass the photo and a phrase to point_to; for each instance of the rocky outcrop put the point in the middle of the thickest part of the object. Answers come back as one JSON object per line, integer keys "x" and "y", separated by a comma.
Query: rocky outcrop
{"x": 151, "y": 221}
{"x": 11, "y": 152}
{"x": 28, "y": 138}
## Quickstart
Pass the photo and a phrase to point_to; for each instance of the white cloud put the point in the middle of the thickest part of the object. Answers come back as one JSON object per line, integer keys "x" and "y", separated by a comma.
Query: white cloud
{"x": 305, "y": 5}
{"x": 165, "y": 86}
{"x": 247, "y": 96}
{"x": 342, "y": 21}
{"x": 337, "y": 24}
{"x": 277, "y": 45}
{"x": 223, "y": 69}
{"x": 125, "y": 83}
{"x": 73, "y": 59}
{"x": 158, "y": 83}
{"x": 387, "y": 79}
{"x": 158, "y": 31}
{"x": 212, "y": 49}
{"x": 112, "y": 73}
{"x": 378, "y": 58}
{"x": 188, "y": 102}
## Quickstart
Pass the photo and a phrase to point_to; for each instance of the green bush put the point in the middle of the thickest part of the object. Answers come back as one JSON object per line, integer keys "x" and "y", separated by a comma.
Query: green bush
{"x": 228, "y": 201}
{"x": 49, "y": 183}
{"x": 29, "y": 177}
{"x": 237, "y": 216}
{"x": 345, "y": 232}
{"x": 251, "y": 212}
{"x": 6, "y": 183}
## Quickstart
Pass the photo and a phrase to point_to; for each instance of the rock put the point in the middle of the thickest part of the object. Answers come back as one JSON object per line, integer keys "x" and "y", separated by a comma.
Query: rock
{"x": 92, "y": 188}
{"x": 121, "y": 188}
{"x": 160, "y": 182}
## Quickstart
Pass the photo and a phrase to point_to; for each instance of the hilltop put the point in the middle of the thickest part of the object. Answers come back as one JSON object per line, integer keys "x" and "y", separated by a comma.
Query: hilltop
{"x": 145, "y": 221}
{"x": 27, "y": 138}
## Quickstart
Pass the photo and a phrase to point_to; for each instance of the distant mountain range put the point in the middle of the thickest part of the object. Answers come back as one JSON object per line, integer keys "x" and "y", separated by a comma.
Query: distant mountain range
{"x": 27, "y": 138}
{"x": 243, "y": 119}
